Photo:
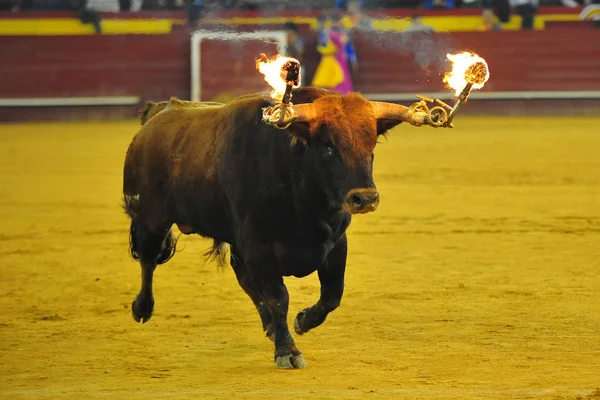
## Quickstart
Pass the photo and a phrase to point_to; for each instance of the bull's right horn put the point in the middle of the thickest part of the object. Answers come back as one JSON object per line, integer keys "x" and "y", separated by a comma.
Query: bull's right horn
{"x": 398, "y": 112}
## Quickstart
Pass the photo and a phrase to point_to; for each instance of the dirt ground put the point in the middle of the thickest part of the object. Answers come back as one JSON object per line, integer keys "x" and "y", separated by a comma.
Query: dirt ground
{"x": 477, "y": 278}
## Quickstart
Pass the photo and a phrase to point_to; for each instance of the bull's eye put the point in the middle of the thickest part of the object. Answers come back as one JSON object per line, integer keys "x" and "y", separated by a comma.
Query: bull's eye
{"x": 327, "y": 150}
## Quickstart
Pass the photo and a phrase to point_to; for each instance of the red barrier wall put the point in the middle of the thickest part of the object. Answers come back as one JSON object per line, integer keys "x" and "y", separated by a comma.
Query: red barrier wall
{"x": 158, "y": 66}
{"x": 112, "y": 65}
{"x": 558, "y": 59}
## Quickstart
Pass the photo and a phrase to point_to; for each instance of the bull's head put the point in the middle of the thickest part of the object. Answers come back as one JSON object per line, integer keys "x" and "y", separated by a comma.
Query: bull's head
{"x": 340, "y": 133}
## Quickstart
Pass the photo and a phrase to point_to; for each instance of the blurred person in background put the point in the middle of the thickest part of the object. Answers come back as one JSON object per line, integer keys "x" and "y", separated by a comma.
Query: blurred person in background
{"x": 153, "y": 5}
{"x": 159, "y": 5}
{"x": 526, "y": 9}
{"x": 356, "y": 18}
{"x": 194, "y": 10}
{"x": 501, "y": 9}
{"x": 418, "y": 36}
{"x": 439, "y": 4}
{"x": 417, "y": 25}
{"x": 295, "y": 46}
{"x": 578, "y": 3}
{"x": 54, "y": 5}
{"x": 344, "y": 4}
{"x": 490, "y": 21}
{"x": 130, "y": 5}
{"x": 321, "y": 24}
{"x": 88, "y": 15}
{"x": 338, "y": 58}
{"x": 11, "y": 5}
{"x": 103, "y": 5}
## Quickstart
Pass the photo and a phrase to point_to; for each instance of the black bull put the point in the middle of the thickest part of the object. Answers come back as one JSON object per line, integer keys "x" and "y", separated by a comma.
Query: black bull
{"x": 282, "y": 199}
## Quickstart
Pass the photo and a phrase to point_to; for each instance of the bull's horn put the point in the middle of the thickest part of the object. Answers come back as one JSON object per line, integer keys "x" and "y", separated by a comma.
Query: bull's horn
{"x": 398, "y": 112}
{"x": 304, "y": 112}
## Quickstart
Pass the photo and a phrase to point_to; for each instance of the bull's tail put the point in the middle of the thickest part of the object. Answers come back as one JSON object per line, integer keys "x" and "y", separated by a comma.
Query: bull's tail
{"x": 168, "y": 248}
{"x": 219, "y": 252}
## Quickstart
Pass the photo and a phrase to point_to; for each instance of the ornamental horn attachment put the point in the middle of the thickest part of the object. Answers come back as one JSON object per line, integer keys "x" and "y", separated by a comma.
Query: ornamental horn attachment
{"x": 469, "y": 71}
{"x": 283, "y": 75}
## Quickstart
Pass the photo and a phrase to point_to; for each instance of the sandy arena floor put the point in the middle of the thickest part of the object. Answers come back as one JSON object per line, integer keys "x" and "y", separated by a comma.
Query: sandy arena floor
{"x": 477, "y": 278}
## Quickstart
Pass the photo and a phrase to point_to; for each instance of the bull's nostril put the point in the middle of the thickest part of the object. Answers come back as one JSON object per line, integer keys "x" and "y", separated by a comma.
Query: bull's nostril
{"x": 357, "y": 200}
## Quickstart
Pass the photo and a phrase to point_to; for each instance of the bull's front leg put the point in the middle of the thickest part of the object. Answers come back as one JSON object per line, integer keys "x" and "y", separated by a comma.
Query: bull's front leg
{"x": 331, "y": 276}
{"x": 246, "y": 281}
{"x": 276, "y": 299}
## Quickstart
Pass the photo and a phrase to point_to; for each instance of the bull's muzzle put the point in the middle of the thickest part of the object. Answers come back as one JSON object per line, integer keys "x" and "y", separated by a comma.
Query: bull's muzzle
{"x": 361, "y": 201}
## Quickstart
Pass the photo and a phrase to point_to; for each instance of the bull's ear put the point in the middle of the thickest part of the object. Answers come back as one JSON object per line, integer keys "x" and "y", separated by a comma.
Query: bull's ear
{"x": 304, "y": 116}
{"x": 385, "y": 124}
{"x": 300, "y": 131}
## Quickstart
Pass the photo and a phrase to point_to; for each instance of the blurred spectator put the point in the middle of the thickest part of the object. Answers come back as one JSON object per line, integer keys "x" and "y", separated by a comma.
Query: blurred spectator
{"x": 130, "y": 5}
{"x": 77, "y": 5}
{"x": 501, "y": 9}
{"x": 158, "y": 5}
{"x": 103, "y": 5}
{"x": 337, "y": 59}
{"x": 88, "y": 15}
{"x": 295, "y": 46}
{"x": 295, "y": 42}
{"x": 344, "y": 4}
{"x": 10, "y": 5}
{"x": 490, "y": 21}
{"x": 321, "y": 23}
{"x": 46, "y": 5}
{"x": 417, "y": 25}
{"x": 357, "y": 19}
{"x": 194, "y": 10}
{"x": 418, "y": 35}
{"x": 439, "y": 4}
{"x": 578, "y": 3}
{"x": 91, "y": 17}
{"x": 526, "y": 9}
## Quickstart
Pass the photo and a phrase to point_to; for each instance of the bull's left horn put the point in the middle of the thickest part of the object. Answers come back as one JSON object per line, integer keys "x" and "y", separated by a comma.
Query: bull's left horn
{"x": 398, "y": 112}
{"x": 304, "y": 112}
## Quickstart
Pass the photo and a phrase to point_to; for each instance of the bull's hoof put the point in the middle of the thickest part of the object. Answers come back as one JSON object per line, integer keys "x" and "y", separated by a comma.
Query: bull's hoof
{"x": 142, "y": 309}
{"x": 297, "y": 321}
{"x": 290, "y": 361}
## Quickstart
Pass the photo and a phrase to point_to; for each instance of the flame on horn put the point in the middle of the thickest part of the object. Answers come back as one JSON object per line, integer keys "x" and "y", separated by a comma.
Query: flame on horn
{"x": 274, "y": 75}
{"x": 467, "y": 68}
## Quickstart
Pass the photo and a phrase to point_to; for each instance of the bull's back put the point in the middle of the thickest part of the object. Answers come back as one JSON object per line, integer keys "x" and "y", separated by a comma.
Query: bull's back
{"x": 179, "y": 128}
{"x": 172, "y": 160}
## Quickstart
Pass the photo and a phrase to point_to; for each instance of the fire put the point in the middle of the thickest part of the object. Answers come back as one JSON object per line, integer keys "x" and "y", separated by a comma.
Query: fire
{"x": 274, "y": 75}
{"x": 467, "y": 69}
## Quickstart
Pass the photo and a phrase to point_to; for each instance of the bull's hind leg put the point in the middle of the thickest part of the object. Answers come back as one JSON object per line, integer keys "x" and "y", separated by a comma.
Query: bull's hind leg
{"x": 151, "y": 247}
{"x": 246, "y": 281}
{"x": 331, "y": 276}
